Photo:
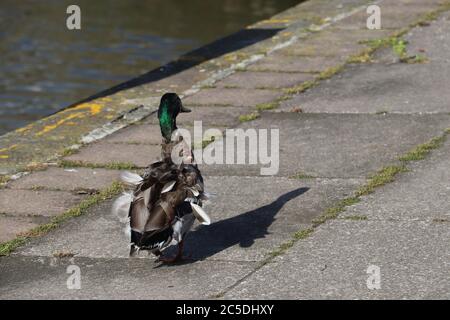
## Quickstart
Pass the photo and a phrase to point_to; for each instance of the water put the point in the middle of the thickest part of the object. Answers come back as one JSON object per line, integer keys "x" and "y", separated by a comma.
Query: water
{"x": 45, "y": 67}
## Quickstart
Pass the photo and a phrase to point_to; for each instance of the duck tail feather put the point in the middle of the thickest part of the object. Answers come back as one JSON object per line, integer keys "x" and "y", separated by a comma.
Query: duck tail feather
{"x": 121, "y": 206}
{"x": 130, "y": 178}
{"x": 127, "y": 230}
{"x": 200, "y": 214}
{"x": 168, "y": 186}
{"x": 208, "y": 195}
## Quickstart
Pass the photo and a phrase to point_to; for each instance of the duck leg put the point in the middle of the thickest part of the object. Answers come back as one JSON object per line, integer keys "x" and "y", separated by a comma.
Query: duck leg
{"x": 178, "y": 257}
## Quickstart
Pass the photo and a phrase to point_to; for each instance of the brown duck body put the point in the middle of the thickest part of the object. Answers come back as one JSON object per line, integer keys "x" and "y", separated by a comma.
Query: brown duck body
{"x": 159, "y": 218}
{"x": 167, "y": 199}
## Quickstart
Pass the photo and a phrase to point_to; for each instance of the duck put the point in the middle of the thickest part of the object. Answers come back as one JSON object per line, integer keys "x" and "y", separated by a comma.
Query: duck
{"x": 167, "y": 198}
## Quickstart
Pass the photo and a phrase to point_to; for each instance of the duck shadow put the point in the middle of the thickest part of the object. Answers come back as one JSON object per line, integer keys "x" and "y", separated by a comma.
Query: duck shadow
{"x": 242, "y": 229}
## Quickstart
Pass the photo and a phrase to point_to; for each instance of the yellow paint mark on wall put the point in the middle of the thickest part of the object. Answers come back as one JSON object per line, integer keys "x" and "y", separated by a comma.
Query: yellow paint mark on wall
{"x": 231, "y": 57}
{"x": 9, "y": 148}
{"x": 59, "y": 123}
{"x": 23, "y": 129}
{"x": 270, "y": 21}
{"x": 84, "y": 109}
{"x": 5, "y": 156}
{"x": 93, "y": 108}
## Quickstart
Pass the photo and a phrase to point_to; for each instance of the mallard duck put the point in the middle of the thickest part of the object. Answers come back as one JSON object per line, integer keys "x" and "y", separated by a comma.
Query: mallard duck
{"x": 167, "y": 198}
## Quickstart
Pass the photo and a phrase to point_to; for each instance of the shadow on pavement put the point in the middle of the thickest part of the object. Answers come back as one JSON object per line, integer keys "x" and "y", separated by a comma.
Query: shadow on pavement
{"x": 243, "y": 229}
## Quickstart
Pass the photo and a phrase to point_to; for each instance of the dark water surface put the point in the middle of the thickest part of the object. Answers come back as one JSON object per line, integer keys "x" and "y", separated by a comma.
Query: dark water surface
{"x": 45, "y": 67}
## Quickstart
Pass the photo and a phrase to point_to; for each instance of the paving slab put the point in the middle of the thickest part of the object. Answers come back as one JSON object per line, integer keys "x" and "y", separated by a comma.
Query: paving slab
{"x": 10, "y": 227}
{"x": 377, "y": 88}
{"x": 231, "y": 97}
{"x": 433, "y": 41}
{"x": 98, "y": 234}
{"x": 37, "y": 203}
{"x": 333, "y": 42}
{"x": 178, "y": 82}
{"x": 257, "y": 80}
{"x": 421, "y": 194}
{"x": 335, "y": 145}
{"x": 279, "y": 62}
{"x": 70, "y": 179}
{"x": 210, "y": 116}
{"x": 393, "y": 15}
{"x": 46, "y": 278}
{"x": 386, "y": 86}
{"x": 413, "y": 257}
{"x": 137, "y": 134}
{"x": 250, "y": 217}
{"x": 151, "y": 134}
{"x": 107, "y": 153}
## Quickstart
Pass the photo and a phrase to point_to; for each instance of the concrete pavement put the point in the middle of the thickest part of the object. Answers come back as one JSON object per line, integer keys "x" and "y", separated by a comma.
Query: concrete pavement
{"x": 271, "y": 237}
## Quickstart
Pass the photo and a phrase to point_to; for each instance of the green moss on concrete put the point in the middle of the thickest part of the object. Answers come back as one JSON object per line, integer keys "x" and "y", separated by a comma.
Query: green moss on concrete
{"x": 362, "y": 57}
{"x": 267, "y": 106}
{"x": 69, "y": 151}
{"x": 398, "y": 45}
{"x": 421, "y": 151}
{"x": 283, "y": 98}
{"x": 299, "y": 235}
{"x": 399, "y": 48}
{"x": 33, "y": 167}
{"x": 37, "y": 188}
{"x": 207, "y": 142}
{"x": 377, "y": 43}
{"x": 306, "y": 85}
{"x": 7, "y": 247}
{"x": 249, "y": 117}
{"x": 303, "y": 234}
{"x": 113, "y": 165}
{"x": 301, "y": 87}
{"x": 333, "y": 212}
{"x": 267, "y": 88}
{"x": 355, "y": 217}
{"x": 428, "y": 17}
{"x": 418, "y": 58}
{"x": 301, "y": 176}
{"x": 328, "y": 73}
{"x": 4, "y": 179}
{"x": 63, "y": 254}
{"x": 208, "y": 86}
{"x": 317, "y": 20}
{"x": 85, "y": 191}
{"x": 382, "y": 177}
{"x": 203, "y": 144}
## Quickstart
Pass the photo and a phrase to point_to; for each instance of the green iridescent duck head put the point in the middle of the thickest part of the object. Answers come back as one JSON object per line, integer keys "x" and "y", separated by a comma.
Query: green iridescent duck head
{"x": 169, "y": 108}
